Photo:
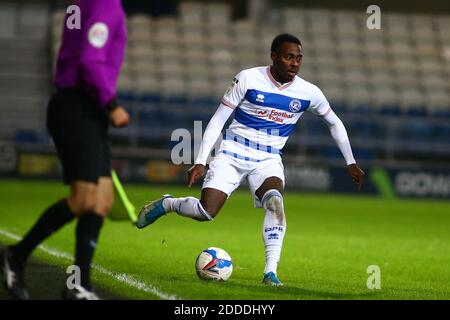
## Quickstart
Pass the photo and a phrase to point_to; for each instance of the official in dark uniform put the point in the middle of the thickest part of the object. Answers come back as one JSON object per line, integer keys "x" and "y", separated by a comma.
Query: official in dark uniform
{"x": 78, "y": 116}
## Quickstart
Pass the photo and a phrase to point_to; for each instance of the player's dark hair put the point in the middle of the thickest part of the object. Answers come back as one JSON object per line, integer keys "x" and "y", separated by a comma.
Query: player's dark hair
{"x": 282, "y": 38}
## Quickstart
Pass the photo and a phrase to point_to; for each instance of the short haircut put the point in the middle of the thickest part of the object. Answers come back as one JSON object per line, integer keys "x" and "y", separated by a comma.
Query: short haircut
{"x": 277, "y": 43}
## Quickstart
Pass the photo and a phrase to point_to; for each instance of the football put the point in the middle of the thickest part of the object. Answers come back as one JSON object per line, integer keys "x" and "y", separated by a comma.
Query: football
{"x": 214, "y": 264}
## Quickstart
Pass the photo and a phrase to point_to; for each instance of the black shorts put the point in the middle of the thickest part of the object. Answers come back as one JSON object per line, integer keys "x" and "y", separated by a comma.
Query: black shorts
{"x": 79, "y": 128}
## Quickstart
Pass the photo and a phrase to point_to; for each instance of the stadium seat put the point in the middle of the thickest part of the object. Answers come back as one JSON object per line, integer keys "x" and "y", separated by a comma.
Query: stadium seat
{"x": 416, "y": 130}
{"x": 139, "y": 22}
{"x": 218, "y": 14}
{"x": 336, "y": 95}
{"x": 331, "y": 153}
{"x": 363, "y": 153}
{"x": 189, "y": 60}
{"x": 412, "y": 102}
{"x": 25, "y": 136}
{"x": 386, "y": 100}
{"x": 441, "y": 132}
{"x": 139, "y": 36}
{"x": 219, "y": 40}
{"x": 199, "y": 89}
{"x": 191, "y": 13}
{"x": 438, "y": 103}
{"x": 359, "y": 97}
{"x": 397, "y": 25}
{"x": 423, "y": 27}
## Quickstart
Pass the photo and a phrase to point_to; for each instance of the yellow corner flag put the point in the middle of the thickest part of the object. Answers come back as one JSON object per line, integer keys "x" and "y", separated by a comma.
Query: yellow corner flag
{"x": 122, "y": 209}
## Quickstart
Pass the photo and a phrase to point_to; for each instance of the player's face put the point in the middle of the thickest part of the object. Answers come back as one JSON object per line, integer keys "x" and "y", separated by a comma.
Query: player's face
{"x": 287, "y": 61}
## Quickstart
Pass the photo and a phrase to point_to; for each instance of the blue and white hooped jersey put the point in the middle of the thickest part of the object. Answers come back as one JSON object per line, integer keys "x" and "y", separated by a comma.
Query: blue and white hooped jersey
{"x": 266, "y": 113}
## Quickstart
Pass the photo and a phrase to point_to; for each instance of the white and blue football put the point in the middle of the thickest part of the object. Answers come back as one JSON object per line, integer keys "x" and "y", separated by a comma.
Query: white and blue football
{"x": 214, "y": 264}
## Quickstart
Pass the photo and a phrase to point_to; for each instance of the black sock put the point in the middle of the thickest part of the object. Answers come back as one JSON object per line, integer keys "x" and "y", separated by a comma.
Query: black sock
{"x": 87, "y": 232}
{"x": 50, "y": 221}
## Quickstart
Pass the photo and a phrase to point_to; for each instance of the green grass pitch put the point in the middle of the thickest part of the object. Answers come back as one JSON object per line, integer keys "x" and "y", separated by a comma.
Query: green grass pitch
{"x": 330, "y": 242}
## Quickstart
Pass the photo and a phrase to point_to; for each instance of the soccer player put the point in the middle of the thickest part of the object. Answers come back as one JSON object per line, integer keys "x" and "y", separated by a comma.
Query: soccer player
{"x": 268, "y": 101}
{"x": 78, "y": 116}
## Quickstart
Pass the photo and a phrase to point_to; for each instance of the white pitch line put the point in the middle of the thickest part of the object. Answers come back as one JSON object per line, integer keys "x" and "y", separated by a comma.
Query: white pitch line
{"x": 121, "y": 277}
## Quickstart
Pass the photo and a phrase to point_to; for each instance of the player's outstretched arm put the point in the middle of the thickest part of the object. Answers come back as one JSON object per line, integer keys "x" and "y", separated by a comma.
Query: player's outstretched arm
{"x": 340, "y": 136}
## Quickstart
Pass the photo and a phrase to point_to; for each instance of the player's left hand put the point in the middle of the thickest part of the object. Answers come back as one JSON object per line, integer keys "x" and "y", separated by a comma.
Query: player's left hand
{"x": 357, "y": 175}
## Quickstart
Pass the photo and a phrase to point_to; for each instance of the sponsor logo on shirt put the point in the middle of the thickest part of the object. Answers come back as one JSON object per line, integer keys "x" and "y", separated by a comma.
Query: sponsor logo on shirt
{"x": 274, "y": 115}
{"x": 262, "y": 113}
{"x": 279, "y": 116}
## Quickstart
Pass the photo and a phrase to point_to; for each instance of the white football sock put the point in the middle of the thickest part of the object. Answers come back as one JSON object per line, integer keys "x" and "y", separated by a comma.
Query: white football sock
{"x": 274, "y": 228}
{"x": 187, "y": 207}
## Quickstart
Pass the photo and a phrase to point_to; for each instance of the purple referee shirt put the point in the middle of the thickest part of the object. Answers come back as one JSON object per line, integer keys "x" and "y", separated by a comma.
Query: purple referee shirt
{"x": 90, "y": 58}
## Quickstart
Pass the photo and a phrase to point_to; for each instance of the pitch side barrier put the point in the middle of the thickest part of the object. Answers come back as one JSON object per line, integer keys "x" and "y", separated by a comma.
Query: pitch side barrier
{"x": 156, "y": 168}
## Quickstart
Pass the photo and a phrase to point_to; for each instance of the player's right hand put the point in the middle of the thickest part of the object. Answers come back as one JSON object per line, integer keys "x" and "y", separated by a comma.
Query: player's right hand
{"x": 195, "y": 173}
{"x": 119, "y": 117}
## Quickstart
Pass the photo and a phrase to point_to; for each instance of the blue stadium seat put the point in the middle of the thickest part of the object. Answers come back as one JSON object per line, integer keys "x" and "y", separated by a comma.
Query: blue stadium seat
{"x": 125, "y": 98}
{"x": 149, "y": 98}
{"x": 441, "y": 133}
{"x": 26, "y": 136}
{"x": 362, "y": 108}
{"x": 416, "y": 111}
{"x": 393, "y": 110}
{"x": 331, "y": 152}
{"x": 148, "y": 113}
{"x": 364, "y": 129}
{"x": 416, "y": 130}
{"x": 363, "y": 154}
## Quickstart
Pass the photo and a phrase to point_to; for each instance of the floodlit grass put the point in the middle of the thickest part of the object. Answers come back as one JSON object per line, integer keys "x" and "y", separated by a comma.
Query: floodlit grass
{"x": 330, "y": 242}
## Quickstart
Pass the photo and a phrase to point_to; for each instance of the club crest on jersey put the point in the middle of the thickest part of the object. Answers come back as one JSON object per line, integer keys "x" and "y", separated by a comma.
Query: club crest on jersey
{"x": 295, "y": 105}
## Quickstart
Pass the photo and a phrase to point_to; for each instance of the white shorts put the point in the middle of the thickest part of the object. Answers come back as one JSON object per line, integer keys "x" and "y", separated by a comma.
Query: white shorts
{"x": 226, "y": 174}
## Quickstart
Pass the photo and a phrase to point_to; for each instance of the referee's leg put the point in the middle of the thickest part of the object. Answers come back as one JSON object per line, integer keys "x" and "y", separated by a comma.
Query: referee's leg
{"x": 88, "y": 197}
{"x": 90, "y": 202}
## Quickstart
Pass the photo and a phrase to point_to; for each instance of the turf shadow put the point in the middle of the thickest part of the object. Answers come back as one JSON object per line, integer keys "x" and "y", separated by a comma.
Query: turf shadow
{"x": 288, "y": 291}
{"x": 46, "y": 282}
{"x": 284, "y": 292}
